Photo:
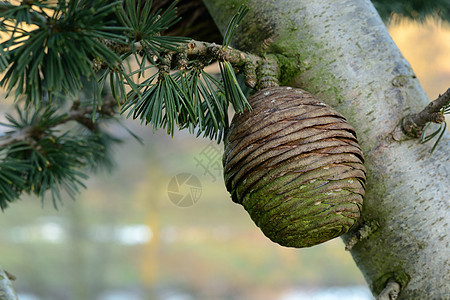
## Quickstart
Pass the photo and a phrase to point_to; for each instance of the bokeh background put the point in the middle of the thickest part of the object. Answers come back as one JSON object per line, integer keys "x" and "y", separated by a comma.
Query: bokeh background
{"x": 124, "y": 237}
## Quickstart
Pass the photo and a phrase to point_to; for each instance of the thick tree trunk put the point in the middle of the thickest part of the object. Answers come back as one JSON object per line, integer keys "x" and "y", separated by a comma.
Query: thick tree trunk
{"x": 344, "y": 55}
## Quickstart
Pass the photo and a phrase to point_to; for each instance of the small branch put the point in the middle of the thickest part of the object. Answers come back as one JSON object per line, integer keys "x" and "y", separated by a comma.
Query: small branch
{"x": 207, "y": 51}
{"x": 82, "y": 115}
{"x": 363, "y": 232}
{"x": 413, "y": 125}
{"x": 196, "y": 48}
{"x": 236, "y": 57}
{"x": 6, "y": 290}
{"x": 391, "y": 291}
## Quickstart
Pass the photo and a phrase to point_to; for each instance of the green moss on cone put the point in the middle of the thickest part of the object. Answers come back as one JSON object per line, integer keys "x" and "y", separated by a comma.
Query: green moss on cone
{"x": 295, "y": 165}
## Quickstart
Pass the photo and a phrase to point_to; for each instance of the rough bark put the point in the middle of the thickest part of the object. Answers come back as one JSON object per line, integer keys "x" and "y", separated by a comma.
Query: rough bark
{"x": 342, "y": 52}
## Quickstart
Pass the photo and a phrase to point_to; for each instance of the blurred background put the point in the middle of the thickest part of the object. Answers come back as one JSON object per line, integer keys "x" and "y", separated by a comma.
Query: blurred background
{"x": 139, "y": 232}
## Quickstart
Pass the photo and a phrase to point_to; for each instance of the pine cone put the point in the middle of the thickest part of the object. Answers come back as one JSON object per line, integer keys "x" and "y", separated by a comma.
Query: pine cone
{"x": 295, "y": 165}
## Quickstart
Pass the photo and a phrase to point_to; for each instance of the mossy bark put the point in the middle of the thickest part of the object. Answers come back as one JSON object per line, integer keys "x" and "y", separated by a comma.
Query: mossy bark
{"x": 341, "y": 52}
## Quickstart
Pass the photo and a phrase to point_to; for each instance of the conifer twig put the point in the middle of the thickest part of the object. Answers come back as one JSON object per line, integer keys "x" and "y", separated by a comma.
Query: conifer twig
{"x": 76, "y": 113}
{"x": 236, "y": 57}
{"x": 413, "y": 125}
{"x": 197, "y": 48}
{"x": 247, "y": 62}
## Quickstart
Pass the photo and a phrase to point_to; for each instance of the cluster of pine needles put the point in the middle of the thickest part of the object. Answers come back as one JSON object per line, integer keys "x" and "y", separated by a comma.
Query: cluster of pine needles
{"x": 61, "y": 53}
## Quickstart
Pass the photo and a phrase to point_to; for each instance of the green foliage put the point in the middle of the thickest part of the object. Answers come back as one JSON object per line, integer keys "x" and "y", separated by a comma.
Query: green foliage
{"x": 57, "y": 56}
{"x": 146, "y": 27}
{"x": 80, "y": 45}
{"x": 11, "y": 181}
{"x": 58, "y": 53}
{"x": 3, "y": 60}
{"x": 164, "y": 103}
{"x": 438, "y": 132}
{"x": 213, "y": 117}
{"x": 44, "y": 159}
{"x": 188, "y": 98}
{"x": 232, "y": 89}
{"x": 234, "y": 23}
{"x": 415, "y": 9}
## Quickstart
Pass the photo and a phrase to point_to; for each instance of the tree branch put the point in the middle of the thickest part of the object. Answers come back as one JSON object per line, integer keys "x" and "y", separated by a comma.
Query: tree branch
{"x": 6, "y": 290}
{"x": 249, "y": 63}
{"x": 82, "y": 115}
{"x": 196, "y": 48}
{"x": 236, "y": 57}
{"x": 391, "y": 291}
{"x": 414, "y": 124}
{"x": 210, "y": 51}
{"x": 363, "y": 232}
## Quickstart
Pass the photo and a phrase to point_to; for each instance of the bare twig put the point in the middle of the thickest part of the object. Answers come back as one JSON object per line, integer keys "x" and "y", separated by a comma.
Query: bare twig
{"x": 413, "y": 125}
{"x": 362, "y": 233}
{"x": 391, "y": 291}
{"x": 236, "y": 57}
{"x": 196, "y": 48}
{"x": 6, "y": 290}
